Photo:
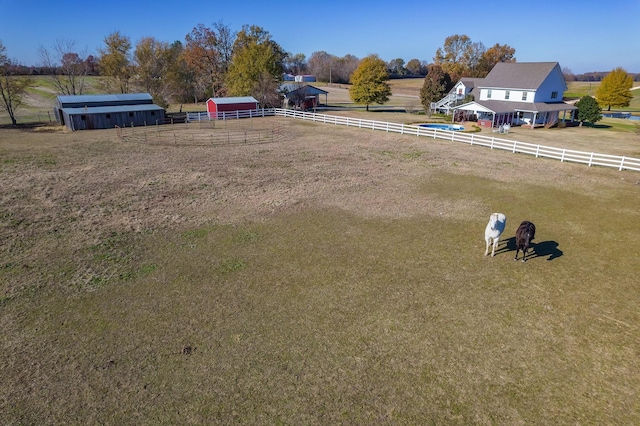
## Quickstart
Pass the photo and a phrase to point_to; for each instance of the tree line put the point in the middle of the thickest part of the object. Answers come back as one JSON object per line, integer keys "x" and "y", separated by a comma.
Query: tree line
{"x": 217, "y": 61}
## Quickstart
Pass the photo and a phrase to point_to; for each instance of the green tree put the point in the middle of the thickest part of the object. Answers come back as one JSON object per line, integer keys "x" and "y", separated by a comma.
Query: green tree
{"x": 491, "y": 56}
{"x": 415, "y": 67}
{"x": 256, "y": 66}
{"x": 436, "y": 84}
{"x": 369, "y": 82}
{"x": 178, "y": 81}
{"x": 115, "y": 62}
{"x": 396, "y": 66}
{"x": 588, "y": 110}
{"x": 457, "y": 54}
{"x": 296, "y": 64}
{"x": 614, "y": 89}
{"x": 12, "y": 87}
{"x": 150, "y": 57}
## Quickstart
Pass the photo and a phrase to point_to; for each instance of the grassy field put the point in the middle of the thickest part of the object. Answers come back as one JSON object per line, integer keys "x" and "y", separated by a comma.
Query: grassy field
{"x": 334, "y": 276}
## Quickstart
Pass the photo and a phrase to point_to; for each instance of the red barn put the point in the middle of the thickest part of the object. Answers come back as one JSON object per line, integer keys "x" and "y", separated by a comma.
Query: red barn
{"x": 219, "y": 105}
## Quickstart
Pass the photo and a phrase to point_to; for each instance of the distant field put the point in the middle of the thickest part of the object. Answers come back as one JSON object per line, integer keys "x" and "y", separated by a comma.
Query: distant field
{"x": 578, "y": 89}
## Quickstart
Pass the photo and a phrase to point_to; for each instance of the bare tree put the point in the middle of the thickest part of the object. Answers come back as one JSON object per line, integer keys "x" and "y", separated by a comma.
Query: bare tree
{"x": 330, "y": 68}
{"x": 320, "y": 64}
{"x": 266, "y": 91}
{"x": 67, "y": 68}
{"x": 568, "y": 74}
{"x": 225, "y": 41}
{"x": 12, "y": 87}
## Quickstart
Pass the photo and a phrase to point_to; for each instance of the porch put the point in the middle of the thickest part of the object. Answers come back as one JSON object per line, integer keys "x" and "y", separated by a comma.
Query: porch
{"x": 497, "y": 113}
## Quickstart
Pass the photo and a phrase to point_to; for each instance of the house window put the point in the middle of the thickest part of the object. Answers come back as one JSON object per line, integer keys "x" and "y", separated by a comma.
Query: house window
{"x": 489, "y": 94}
{"x": 153, "y": 113}
{"x": 108, "y": 115}
{"x": 83, "y": 117}
{"x": 507, "y": 94}
{"x": 554, "y": 95}
{"x": 130, "y": 114}
{"x": 524, "y": 96}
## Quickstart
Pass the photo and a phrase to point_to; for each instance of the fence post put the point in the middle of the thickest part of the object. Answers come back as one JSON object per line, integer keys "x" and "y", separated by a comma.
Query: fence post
{"x": 562, "y": 157}
{"x": 621, "y": 164}
{"x": 537, "y": 150}
{"x": 590, "y": 159}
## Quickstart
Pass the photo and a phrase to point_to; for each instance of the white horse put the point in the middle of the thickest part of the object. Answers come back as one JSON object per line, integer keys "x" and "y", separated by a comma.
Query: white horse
{"x": 497, "y": 222}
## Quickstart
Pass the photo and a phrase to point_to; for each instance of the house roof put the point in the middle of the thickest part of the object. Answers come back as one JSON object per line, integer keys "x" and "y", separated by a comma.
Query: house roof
{"x": 234, "y": 100}
{"x": 508, "y": 106}
{"x": 110, "y": 98}
{"x": 518, "y": 75}
{"x": 471, "y": 82}
{"x": 112, "y": 109}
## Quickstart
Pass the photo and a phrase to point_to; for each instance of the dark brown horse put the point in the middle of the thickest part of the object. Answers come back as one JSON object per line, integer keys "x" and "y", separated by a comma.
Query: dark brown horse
{"x": 524, "y": 235}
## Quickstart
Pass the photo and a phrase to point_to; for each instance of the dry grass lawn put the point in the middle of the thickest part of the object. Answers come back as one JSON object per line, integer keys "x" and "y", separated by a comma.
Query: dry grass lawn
{"x": 332, "y": 276}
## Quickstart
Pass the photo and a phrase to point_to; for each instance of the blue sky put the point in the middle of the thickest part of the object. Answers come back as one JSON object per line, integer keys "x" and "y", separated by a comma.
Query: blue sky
{"x": 583, "y": 36}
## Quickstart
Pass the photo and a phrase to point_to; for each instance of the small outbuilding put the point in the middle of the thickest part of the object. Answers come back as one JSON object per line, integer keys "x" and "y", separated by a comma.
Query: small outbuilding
{"x": 300, "y": 95}
{"x": 85, "y": 112}
{"x": 230, "y": 104}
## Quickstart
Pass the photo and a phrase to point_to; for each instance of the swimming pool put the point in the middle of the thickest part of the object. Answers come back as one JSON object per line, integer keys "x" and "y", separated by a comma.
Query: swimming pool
{"x": 443, "y": 126}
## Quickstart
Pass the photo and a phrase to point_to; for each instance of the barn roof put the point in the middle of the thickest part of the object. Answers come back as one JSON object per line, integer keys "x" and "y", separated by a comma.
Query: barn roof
{"x": 307, "y": 89}
{"x": 234, "y": 100}
{"x": 112, "y": 109}
{"x": 111, "y": 98}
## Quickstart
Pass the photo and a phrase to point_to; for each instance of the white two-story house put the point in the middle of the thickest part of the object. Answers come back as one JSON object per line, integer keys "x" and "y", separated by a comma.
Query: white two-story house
{"x": 519, "y": 93}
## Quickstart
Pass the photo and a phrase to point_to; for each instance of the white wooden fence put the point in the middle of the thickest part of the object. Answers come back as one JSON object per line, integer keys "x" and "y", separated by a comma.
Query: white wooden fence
{"x": 562, "y": 154}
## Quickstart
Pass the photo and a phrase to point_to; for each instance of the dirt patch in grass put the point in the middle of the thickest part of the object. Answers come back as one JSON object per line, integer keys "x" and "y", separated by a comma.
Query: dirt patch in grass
{"x": 334, "y": 275}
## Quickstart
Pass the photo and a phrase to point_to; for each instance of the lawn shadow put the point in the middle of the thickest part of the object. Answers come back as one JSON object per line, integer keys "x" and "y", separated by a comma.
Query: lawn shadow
{"x": 542, "y": 249}
{"x": 509, "y": 246}
{"x": 547, "y": 248}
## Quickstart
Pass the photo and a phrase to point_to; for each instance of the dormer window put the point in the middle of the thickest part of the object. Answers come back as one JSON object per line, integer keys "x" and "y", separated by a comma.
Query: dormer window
{"x": 507, "y": 94}
{"x": 489, "y": 94}
{"x": 554, "y": 95}
{"x": 524, "y": 96}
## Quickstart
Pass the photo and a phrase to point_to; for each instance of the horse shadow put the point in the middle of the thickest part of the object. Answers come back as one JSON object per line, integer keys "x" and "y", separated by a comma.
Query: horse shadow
{"x": 542, "y": 249}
